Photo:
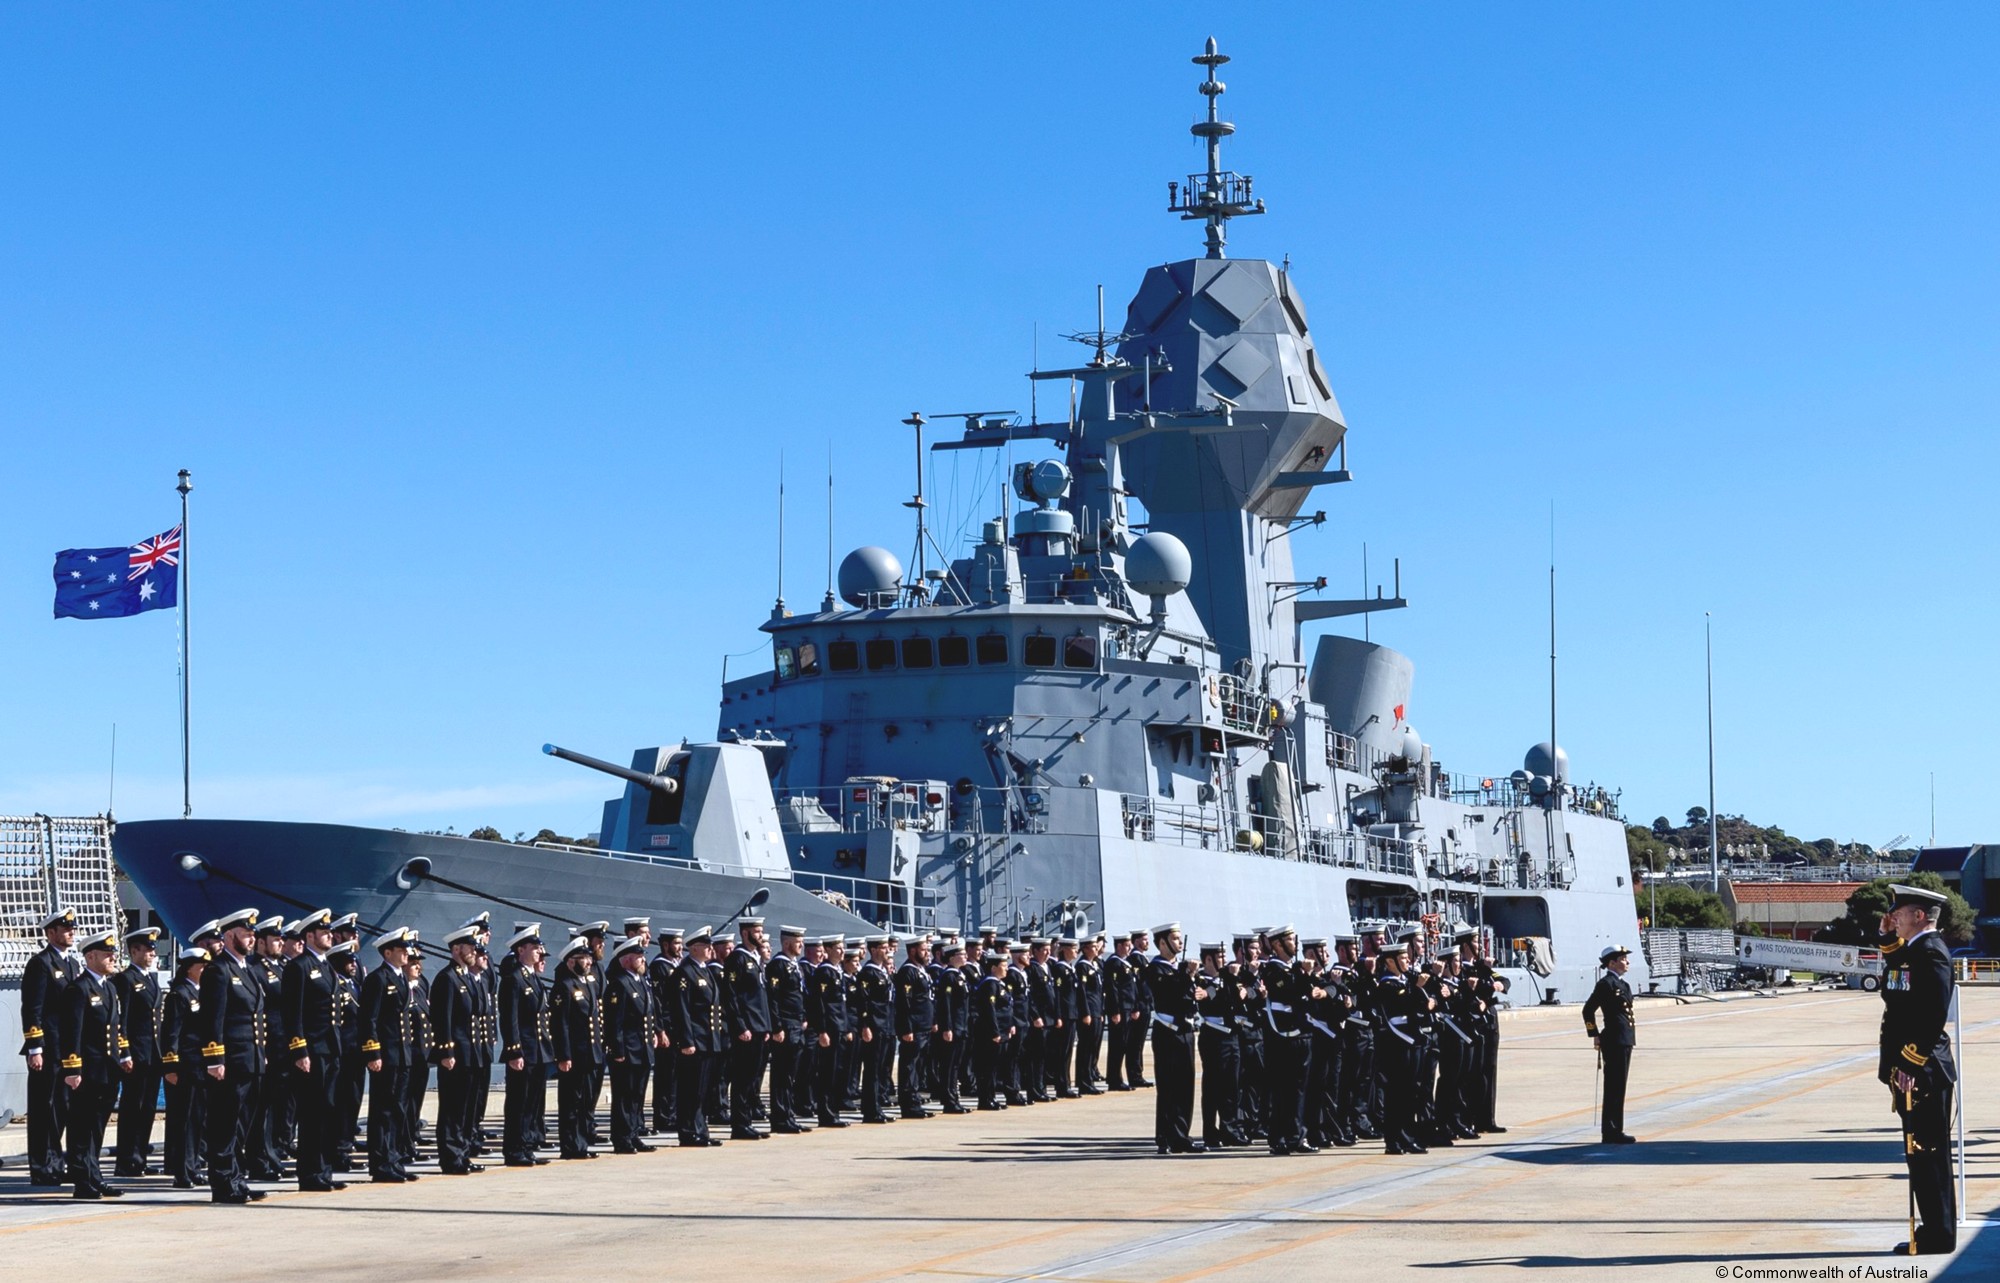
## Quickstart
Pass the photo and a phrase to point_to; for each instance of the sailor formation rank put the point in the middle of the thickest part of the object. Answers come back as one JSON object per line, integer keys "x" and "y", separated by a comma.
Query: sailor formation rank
{"x": 286, "y": 1055}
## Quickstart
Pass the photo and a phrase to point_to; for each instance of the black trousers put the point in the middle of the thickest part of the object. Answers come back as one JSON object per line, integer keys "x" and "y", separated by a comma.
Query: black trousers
{"x": 138, "y": 1102}
{"x": 88, "y": 1103}
{"x": 666, "y": 1115}
{"x": 388, "y": 1119}
{"x": 805, "y": 1075}
{"x": 1173, "y": 1108}
{"x": 693, "y": 1070}
{"x": 874, "y": 1055}
{"x": 1396, "y": 1073}
{"x": 351, "y": 1085}
{"x": 1061, "y": 1050}
{"x": 1010, "y": 1064}
{"x": 986, "y": 1057}
{"x": 416, "y": 1082}
{"x": 316, "y": 1097}
{"x": 1357, "y": 1077}
{"x": 1322, "y": 1120}
{"x": 482, "y": 1099}
{"x": 526, "y": 1100}
{"x": 1089, "y": 1047}
{"x": 48, "y": 1107}
{"x": 1135, "y": 1047}
{"x": 1927, "y": 1153}
{"x": 1219, "y": 1066}
{"x": 1617, "y": 1069}
{"x": 262, "y": 1155}
{"x": 1114, "y": 1060}
{"x": 1035, "y": 1061}
{"x": 1486, "y": 1100}
{"x": 185, "y": 1116}
{"x": 455, "y": 1125}
{"x": 948, "y": 1063}
{"x": 232, "y": 1106}
{"x": 912, "y": 1058}
{"x": 1250, "y": 1113}
{"x": 628, "y": 1102}
{"x": 576, "y": 1107}
{"x": 746, "y": 1079}
{"x": 831, "y": 1064}
{"x": 596, "y": 1094}
{"x": 784, "y": 1062}
{"x": 1287, "y": 1062}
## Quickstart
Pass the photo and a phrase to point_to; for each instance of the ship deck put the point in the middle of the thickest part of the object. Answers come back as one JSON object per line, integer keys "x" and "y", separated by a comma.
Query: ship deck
{"x": 1765, "y": 1144}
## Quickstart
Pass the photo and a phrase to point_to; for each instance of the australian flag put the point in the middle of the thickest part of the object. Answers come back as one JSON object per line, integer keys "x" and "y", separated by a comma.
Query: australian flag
{"x": 105, "y": 583}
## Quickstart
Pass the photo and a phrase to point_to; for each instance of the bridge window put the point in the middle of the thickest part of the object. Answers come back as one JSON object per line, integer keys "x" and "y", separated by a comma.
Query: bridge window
{"x": 881, "y": 653}
{"x": 1080, "y": 651}
{"x": 785, "y": 660}
{"x": 954, "y": 651}
{"x": 992, "y": 648}
{"x": 1038, "y": 651}
{"x": 808, "y": 659}
{"x": 843, "y": 656}
{"x": 917, "y": 652}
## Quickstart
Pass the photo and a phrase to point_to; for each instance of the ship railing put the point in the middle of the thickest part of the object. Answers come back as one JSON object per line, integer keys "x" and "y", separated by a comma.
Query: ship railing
{"x": 51, "y": 861}
{"x": 1147, "y": 819}
{"x": 1242, "y": 708}
{"x": 859, "y": 807}
{"x": 891, "y": 906}
{"x": 1346, "y": 753}
{"x": 671, "y": 861}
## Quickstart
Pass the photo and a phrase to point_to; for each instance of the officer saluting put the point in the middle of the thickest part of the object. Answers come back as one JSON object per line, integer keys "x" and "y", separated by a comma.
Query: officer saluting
{"x": 95, "y": 1058}
{"x": 1613, "y": 999}
{"x": 1916, "y": 1061}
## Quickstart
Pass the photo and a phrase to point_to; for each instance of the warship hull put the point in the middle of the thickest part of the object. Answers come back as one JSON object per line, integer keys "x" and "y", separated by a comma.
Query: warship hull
{"x": 194, "y": 870}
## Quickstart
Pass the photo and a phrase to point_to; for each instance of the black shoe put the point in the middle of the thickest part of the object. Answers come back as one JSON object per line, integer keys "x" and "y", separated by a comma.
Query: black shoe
{"x": 1282, "y": 1150}
{"x": 879, "y": 1118}
{"x": 832, "y": 1120}
{"x": 47, "y": 1182}
{"x": 710, "y": 1142}
{"x": 1493, "y": 1129}
{"x": 1940, "y": 1249}
{"x": 1620, "y": 1138}
{"x": 228, "y": 1198}
{"x": 86, "y": 1191}
{"x": 182, "y": 1182}
{"x": 1093, "y": 1090}
{"x": 518, "y": 1162}
{"x": 577, "y": 1158}
{"x": 1143, "y": 1082}
{"x": 787, "y": 1129}
{"x": 316, "y": 1187}
{"x": 916, "y": 1113}
{"x": 1343, "y": 1141}
{"x": 745, "y": 1133}
{"x": 956, "y": 1109}
{"x": 126, "y": 1170}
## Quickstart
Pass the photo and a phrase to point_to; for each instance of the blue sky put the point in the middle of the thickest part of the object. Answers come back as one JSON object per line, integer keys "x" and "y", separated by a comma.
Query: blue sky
{"x": 482, "y": 329}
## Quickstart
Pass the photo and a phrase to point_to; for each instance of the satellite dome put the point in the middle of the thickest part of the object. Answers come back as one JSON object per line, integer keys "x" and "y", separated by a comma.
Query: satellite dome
{"x": 1158, "y": 565}
{"x": 1412, "y": 746}
{"x": 1538, "y": 762}
{"x": 868, "y": 574}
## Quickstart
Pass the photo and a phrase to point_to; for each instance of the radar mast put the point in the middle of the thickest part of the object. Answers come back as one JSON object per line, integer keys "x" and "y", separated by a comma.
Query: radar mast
{"x": 1220, "y": 194}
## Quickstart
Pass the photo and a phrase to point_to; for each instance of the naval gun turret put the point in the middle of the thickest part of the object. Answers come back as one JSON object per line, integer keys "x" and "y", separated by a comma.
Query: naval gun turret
{"x": 657, "y": 783}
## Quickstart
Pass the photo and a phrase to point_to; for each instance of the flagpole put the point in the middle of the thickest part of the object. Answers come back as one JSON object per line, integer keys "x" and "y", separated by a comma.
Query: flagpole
{"x": 187, "y": 804}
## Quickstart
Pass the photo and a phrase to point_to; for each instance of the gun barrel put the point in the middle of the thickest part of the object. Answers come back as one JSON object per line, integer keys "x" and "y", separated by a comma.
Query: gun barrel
{"x": 657, "y": 783}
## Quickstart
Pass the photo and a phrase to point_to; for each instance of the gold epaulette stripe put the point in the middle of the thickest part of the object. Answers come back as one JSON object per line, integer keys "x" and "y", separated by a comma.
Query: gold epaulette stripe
{"x": 371, "y": 1045}
{"x": 212, "y": 1049}
{"x": 34, "y": 1032}
{"x": 171, "y": 1058}
{"x": 72, "y": 1062}
{"x": 123, "y": 1042}
{"x": 295, "y": 1044}
{"x": 1915, "y": 1057}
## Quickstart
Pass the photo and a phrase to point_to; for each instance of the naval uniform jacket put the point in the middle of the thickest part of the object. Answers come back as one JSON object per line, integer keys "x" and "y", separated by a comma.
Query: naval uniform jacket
{"x": 785, "y": 985}
{"x": 1062, "y": 985}
{"x": 311, "y": 1002}
{"x": 992, "y": 1009}
{"x": 698, "y": 1018}
{"x": 1121, "y": 987}
{"x": 873, "y": 1000}
{"x": 236, "y": 1025}
{"x": 180, "y": 1028}
{"x": 388, "y": 1019}
{"x": 1090, "y": 990}
{"x": 826, "y": 1002}
{"x": 462, "y": 1024}
{"x": 93, "y": 1029}
{"x": 139, "y": 991}
{"x": 1287, "y": 994}
{"x": 1172, "y": 988}
{"x": 346, "y": 1013}
{"x": 576, "y": 1019}
{"x": 1016, "y": 981}
{"x": 916, "y": 1012}
{"x": 1916, "y": 1003}
{"x": 951, "y": 997}
{"x": 41, "y": 1002}
{"x": 525, "y": 1034}
{"x": 1613, "y": 999}
{"x": 630, "y": 1018}
{"x": 1042, "y": 995}
{"x": 749, "y": 1008}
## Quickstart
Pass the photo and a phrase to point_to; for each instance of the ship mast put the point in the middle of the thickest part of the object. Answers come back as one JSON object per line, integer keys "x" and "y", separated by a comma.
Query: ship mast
{"x": 1220, "y": 194}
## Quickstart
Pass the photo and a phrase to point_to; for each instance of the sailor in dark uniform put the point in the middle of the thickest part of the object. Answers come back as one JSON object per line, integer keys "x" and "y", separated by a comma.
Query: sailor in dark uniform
{"x": 350, "y": 1066}
{"x": 951, "y": 996}
{"x": 1325, "y": 1016}
{"x": 525, "y": 1047}
{"x": 1289, "y": 993}
{"x": 749, "y": 1029}
{"x": 42, "y": 984}
{"x": 1017, "y": 1077}
{"x": 180, "y": 1064}
{"x": 1485, "y": 1091}
{"x": 1121, "y": 1003}
{"x": 1043, "y": 1018}
{"x": 236, "y": 1027}
{"x": 1176, "y": 995}
{"x": 833, "y": 1032}
{"x": 1217, "y": 1044}
{"x": 851, "y": 957}
{"x": 1139, "y": 1022}
{"x": 417, "y": 1078}
{"x": 484, "y": 971}
{"x": 1612, "y": 999}
{"x": 389, "y": 1046}
{"x": 139, "y": 1094}
{"x": 1068, "y": 1005}
{"x": 632, "y": 1038}
{"x": 460, "y": 1013}
{"x": 1399, "y": 1006}
{"x": 988, "y": 1020}
{"x": 874, "y": 1002}
{"x": 915, "y": 1012}
{"x": 576, "y": 1025}
{"x": 700, "y": 1035}
{"x": 1916, "y": 1062}
{"x": 785, "y": 987}
{"x": 660, "y": 971}
{"x": 595, "y": 935}
{"x": 313, "y": 1006}
{"x": 1089, "y": 1018}
{"x": 1250, "y": 1099}
{"x": 264, "y": 1149}
{"x": 95, "y": 1058}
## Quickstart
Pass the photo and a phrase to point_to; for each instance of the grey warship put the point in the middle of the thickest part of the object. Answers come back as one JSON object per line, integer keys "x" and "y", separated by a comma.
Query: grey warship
{"x": 1101, "y": 713}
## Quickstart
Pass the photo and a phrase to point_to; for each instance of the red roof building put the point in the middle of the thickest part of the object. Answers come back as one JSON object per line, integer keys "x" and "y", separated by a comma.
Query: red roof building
{"x": 1788, "y": 910}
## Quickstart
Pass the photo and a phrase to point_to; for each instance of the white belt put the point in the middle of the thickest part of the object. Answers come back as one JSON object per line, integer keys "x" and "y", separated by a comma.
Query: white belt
{"x": 1216, "y": 1022}
{"x": 1280, "y": 1006}
{"x": 1320, "y": 1025}
{"x": 1167, "y": 1020}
